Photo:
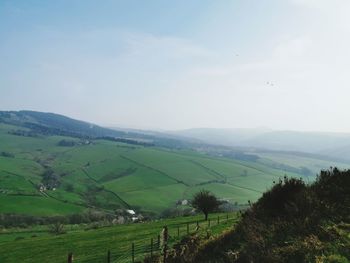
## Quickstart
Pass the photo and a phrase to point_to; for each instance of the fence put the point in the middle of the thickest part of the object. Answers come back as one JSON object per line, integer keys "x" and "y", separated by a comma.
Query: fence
{"x": 151, "y": 246}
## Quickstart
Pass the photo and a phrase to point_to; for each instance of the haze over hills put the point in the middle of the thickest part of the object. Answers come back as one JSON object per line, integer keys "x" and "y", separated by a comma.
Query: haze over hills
{"x": 335, "y": 145}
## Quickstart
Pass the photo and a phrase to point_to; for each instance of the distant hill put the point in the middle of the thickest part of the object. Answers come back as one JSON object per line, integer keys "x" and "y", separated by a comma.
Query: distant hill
{"x": 51, "y": 123}
{"x": 331, "y": 144}
{"x": 334, "y": 145}
{"x": 43, "y": 123}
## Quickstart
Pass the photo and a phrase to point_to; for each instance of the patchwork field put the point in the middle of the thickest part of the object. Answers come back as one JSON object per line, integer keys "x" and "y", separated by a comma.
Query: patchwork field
{"x": 109, "y": 175}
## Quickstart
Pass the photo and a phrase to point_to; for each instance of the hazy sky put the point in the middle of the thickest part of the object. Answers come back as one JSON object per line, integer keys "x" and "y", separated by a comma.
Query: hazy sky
{"x": 282, "y": 64}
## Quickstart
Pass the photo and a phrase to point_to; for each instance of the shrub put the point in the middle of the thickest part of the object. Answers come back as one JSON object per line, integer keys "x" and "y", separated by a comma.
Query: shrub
{"x": 57, "y": 228}
{"x": 7, "y": 154}
{"x": 334, "y": 259}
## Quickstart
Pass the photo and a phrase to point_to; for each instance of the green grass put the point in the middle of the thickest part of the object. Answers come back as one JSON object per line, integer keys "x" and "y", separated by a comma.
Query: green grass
{"x": 156, "y": 198}
{"x": 138, "y": 181}
{"x": 36, "y": 205}
{"x": 92, "y": 245}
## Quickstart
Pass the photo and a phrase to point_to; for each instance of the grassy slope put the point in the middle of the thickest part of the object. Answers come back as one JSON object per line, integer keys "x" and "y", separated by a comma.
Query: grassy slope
{"x": 92, "y": 245}
{"x": 119, "y": 174}
{"x": 36, "y": 205}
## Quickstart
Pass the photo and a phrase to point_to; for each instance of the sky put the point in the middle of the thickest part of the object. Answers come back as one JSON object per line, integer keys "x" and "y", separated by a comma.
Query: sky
{"x": 171, "y": 65}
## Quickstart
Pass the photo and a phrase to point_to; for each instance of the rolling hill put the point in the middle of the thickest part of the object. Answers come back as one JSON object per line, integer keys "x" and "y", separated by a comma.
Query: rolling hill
{"x": 64, "y": 167}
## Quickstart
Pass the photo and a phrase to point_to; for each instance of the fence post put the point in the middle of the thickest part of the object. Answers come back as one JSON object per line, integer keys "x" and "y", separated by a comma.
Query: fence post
{"x": 188, "y": 228}
{"x": 208, "y": 222}
{"x": 197, "y": 224}
{"x": 151, "y": 247}
{"x": 133, "y": 252}
{"x": 226, "y": 217}
{"x": 109, "y": 256}
{"x": 178, "y": 231}
{"x": 70, "y": 257}
{"x": 165, "y": 252}
{"x": 218, "y": 219}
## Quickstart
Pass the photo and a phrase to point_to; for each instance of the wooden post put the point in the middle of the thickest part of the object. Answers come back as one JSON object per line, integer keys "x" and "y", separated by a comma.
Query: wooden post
{"x": 197, "y": 224}
{"x": 109, "y": 256}
{"x": 70, "y": 257}
{"x": 165, "y": 252}
{"x": 188, "y": 228}
{"x": 208, "y": 222}
{"x": 218, "y": 219}
{"x": 227, "y": 217}
{"x": 132, "y": 252}
{"x": 178, "y": 231}
{"x": 151, "y": 247}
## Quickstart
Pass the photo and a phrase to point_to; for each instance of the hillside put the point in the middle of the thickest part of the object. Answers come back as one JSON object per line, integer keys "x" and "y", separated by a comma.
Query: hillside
{"x": 60, "y": 171}
{"x": 51, "y": 123}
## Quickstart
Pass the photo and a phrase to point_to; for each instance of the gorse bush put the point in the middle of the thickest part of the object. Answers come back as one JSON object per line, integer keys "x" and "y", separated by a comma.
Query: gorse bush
{"x": 332, "y": 189}
{"x": 57, "y": 228}
{"x": 283, "y": 199}
{"x": 288, "y": 223}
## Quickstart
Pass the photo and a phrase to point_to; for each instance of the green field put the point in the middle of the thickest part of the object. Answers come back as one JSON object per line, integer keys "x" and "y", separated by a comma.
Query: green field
{"x": 37, "y": 245}
{"x": 109, "y": 175}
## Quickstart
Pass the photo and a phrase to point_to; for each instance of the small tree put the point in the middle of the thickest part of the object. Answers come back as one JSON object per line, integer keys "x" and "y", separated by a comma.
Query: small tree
{"x": 205, "y": 202}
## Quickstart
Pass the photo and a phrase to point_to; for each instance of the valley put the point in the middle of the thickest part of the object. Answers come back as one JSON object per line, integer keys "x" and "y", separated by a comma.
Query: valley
{"x": 47, "y": 174}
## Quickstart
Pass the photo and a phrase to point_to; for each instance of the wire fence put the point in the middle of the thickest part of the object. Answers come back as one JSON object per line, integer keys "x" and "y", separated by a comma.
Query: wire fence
{"x": 152, "y": 246}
